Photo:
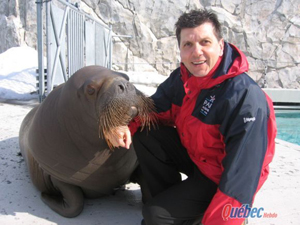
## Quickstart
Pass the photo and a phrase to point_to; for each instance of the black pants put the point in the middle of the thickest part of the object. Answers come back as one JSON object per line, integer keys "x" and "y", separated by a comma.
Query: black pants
{"x": 162, "y": 157}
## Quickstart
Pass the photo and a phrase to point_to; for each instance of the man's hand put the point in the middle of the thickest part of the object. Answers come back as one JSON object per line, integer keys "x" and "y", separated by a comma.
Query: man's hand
{"x": 120, "y": 137}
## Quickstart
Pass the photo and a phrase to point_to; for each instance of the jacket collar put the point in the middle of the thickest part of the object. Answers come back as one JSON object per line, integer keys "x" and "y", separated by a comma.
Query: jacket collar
{"x": 233, "y": 63}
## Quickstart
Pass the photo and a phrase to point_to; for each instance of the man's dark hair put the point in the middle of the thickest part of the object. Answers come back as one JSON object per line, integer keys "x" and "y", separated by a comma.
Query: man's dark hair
{"x": 196, "y": 18}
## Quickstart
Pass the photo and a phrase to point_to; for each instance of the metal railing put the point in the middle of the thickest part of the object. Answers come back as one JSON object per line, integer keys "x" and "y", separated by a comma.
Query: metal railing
{"x": 73, "y": 40}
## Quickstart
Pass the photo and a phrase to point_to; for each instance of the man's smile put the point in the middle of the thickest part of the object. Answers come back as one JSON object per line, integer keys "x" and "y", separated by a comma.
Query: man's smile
{"x": 199, "y": 62}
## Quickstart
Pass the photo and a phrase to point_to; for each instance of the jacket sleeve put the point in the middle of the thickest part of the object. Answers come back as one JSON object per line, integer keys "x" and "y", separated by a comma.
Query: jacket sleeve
{"x": 168, "y": 98}
{"x": 245, "y": 130}
{"x": 165, "y": 102}
{"x": 163, "y": 108}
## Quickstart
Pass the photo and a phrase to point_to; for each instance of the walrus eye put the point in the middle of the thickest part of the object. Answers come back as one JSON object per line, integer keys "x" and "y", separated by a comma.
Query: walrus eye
{"x": 90, "y": 90}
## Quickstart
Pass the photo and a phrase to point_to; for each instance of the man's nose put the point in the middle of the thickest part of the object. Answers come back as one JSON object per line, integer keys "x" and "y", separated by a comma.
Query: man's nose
{"x": 198, "y": 49}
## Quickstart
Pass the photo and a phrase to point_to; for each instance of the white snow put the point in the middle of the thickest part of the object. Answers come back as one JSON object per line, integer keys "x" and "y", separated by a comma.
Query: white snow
{"x": 18, "y": 73}
{"x": 20, "y": 202}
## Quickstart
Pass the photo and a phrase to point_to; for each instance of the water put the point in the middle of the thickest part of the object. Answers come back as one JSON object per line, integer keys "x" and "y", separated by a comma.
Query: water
{"x": 288, "y": 125}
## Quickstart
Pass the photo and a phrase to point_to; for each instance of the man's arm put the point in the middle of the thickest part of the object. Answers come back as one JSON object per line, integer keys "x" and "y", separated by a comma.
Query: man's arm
{"x": 162, "y": 99}
{"x": 249, "y": 132}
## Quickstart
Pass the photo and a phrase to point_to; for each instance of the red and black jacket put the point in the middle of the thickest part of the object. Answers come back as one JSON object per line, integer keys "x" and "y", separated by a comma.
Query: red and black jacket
{"x": 226, "y": 123}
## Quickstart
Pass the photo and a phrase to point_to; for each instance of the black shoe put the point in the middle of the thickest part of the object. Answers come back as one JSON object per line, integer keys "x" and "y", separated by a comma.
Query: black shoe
{"x": 143, "y": 222}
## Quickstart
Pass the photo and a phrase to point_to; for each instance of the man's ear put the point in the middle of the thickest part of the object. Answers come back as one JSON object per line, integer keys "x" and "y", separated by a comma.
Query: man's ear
{"x": 221, "y": 43}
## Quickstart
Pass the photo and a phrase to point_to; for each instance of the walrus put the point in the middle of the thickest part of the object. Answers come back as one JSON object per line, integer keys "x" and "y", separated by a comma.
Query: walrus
{"x": 63, "y": 139}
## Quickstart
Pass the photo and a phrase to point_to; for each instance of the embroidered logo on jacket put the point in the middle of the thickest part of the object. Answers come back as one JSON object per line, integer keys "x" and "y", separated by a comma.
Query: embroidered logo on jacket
{"x": 247, "y": 120}
{"x": 207, "y": 104}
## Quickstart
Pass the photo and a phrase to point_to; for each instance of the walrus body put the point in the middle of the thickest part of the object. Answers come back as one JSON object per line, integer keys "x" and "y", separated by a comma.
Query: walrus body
{"x": 62, "y": 138}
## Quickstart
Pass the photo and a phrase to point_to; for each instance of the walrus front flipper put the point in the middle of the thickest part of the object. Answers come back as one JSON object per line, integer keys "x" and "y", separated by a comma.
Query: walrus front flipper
{"x": 69, "y": 203}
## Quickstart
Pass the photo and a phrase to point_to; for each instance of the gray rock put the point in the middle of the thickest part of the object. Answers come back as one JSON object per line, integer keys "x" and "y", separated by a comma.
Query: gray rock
{"x": 290, "y": 78}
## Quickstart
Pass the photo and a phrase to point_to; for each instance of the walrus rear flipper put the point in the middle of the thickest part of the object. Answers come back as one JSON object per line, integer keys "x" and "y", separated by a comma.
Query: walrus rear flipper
{"x": 69, "y": 203}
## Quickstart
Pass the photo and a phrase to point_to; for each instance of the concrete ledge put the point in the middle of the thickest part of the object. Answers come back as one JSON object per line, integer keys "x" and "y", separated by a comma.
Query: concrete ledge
{"x": 283, "y": 95}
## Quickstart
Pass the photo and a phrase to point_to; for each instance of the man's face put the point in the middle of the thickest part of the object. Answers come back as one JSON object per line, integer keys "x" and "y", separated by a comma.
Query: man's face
{"x": 200, "y": 49}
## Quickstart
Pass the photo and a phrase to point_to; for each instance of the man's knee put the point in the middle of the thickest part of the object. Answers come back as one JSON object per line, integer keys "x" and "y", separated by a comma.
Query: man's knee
{"x": 154, "y": 215}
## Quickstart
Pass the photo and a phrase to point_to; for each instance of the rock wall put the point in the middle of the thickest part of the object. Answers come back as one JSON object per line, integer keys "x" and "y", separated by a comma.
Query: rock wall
{"x": 17, "y": 23}
{"x": 267, "y": 31}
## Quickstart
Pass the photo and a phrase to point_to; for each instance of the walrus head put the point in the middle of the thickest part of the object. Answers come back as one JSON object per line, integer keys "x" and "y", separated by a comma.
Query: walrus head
{"x": 117, "y": 102}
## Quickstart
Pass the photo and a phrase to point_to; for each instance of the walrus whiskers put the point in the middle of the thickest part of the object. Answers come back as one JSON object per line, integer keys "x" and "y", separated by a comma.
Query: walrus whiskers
{"x": 116, "y": 114}
{"x": 147, "y": 116}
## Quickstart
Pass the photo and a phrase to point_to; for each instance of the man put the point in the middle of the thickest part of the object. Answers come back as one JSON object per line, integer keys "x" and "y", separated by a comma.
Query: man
{"x": 216, "y": 126}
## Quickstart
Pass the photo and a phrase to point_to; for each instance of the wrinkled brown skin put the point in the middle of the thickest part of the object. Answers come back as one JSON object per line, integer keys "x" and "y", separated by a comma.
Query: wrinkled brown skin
{"x": 60, "y": 142}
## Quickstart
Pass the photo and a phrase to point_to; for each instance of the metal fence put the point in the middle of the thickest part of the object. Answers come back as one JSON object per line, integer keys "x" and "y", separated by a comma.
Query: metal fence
{"x": 73, "y": 39}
